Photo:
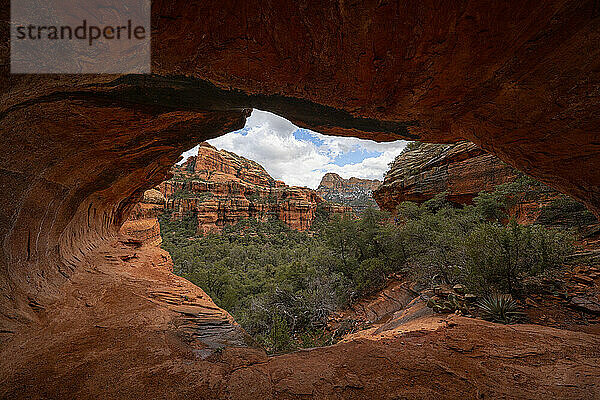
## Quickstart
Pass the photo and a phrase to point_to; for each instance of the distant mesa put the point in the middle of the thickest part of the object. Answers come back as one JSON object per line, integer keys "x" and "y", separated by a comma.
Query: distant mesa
{"x": 354, "y": 192}
{"x": 221, "y": 188}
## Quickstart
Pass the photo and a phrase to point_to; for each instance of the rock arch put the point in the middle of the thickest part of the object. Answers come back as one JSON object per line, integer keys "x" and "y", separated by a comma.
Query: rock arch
{"x": 519, "y": 79}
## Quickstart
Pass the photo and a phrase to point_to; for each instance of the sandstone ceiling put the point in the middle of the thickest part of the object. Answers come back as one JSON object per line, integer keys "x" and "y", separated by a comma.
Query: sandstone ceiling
{"x": 520, "y": 79}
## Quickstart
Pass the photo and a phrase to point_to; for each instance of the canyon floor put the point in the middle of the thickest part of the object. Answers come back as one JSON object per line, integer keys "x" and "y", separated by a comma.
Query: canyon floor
{"x": 127, "y": 327}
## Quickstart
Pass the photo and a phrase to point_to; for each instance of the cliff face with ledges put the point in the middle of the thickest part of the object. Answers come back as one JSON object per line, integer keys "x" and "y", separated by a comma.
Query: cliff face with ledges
{"x": 461, "y": 170}
{"x": 354, "y": 192}
{"x": 142, "y": 224}
{"x": 221, "y": 188}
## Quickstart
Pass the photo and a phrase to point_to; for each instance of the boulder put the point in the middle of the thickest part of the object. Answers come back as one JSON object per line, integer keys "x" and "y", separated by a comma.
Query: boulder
{"x": 585, "y": 304}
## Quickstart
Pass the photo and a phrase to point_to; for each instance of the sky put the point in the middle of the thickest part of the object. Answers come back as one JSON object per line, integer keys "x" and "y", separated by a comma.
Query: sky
{"x": 301, "y": 157}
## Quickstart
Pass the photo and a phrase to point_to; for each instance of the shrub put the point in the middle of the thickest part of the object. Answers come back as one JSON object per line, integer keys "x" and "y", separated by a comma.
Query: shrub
{"x": 282, "y": 285}
{"x": 449, "y": 305}
{"x": 437, "y": 203}
{"x": 411, "y": 146}
{"x": 491, "y": 206}
{"x": 279, "y": 339}
{"x": 408, "y": 210}
{"x": 566, "y": 212}
{"x": 499, "y": 308}
{"x": 441, "y": 244}
{"x": 499, "y": 257}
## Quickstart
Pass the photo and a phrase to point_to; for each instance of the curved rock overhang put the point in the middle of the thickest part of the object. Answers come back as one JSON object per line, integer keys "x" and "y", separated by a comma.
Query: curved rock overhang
{"x": 519, "y": 79}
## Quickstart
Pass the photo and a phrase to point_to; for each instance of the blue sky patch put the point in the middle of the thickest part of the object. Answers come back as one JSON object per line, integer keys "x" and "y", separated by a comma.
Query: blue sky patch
{"x": 354, "y": 156}
{"x": 306, "y": 136}
{"x": 243, "y": 131}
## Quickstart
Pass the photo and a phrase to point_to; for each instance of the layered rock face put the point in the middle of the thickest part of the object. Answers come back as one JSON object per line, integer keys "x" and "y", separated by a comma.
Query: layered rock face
{"x": 461, "y": 170}
{"x": 142, "y": 224}
{"x": 221, "y": 188}
{"x": 519, "y": 79}
{"x": 354, "y": 192}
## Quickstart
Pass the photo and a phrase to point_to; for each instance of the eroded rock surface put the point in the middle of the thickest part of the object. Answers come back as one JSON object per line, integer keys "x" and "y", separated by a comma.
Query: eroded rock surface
{"x": 168, "y": 340}
{"x": 519, "y": 79}
{"x": 461, "y": 171}
{"x": 142, "y": 223}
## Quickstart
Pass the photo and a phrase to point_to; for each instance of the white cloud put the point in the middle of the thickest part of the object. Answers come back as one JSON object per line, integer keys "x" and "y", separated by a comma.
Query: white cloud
{"x": 269, "y": 140}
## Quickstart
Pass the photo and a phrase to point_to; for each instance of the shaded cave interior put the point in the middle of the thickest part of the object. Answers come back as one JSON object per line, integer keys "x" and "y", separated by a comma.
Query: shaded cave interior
{"x": 148, "y": 121}
{"x": 520, "y": 80}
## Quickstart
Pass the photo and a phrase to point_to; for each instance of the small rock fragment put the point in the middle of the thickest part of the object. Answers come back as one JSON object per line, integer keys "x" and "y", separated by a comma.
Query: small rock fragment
{"x": 530, "y": 302}
{"x": 458, "y": 288}
{"x": 583, "y": 279}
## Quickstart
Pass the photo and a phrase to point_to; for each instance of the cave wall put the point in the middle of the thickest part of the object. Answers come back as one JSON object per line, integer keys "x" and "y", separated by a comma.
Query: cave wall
{"x": 70, "y": 173}
{"x": 519, "y": 79}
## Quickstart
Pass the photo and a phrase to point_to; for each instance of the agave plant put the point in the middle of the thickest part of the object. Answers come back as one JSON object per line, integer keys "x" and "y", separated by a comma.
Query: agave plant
{"x": 499, "y": 308}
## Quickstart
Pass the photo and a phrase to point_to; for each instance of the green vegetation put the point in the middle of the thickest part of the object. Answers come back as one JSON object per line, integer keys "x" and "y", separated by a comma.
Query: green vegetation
{"x": 282, "y": 285}
{"x": 471, "y": 247}
{"x": 449, "y": 305}
{"x": 411, "y": 146}
{"x": 259, "y": 198}
{"x": 563, "y": 211}
{"x": 499, "y": 308}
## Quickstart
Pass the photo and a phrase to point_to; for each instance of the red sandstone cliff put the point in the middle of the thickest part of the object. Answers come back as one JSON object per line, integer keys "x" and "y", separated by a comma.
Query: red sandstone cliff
{"x": 221, "y": 188}
{"x": 354, "y": 192}
{"x": 462, "y": 170}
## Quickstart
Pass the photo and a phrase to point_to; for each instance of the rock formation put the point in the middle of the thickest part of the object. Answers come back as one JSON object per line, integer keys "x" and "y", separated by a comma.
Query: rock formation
{"x": 519, "y": 79}
{"x": 221, "y": 188}
{"x": 462, "y": 170}
{"x": 142, "y": 224}
{"x": 354, "y": 192}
